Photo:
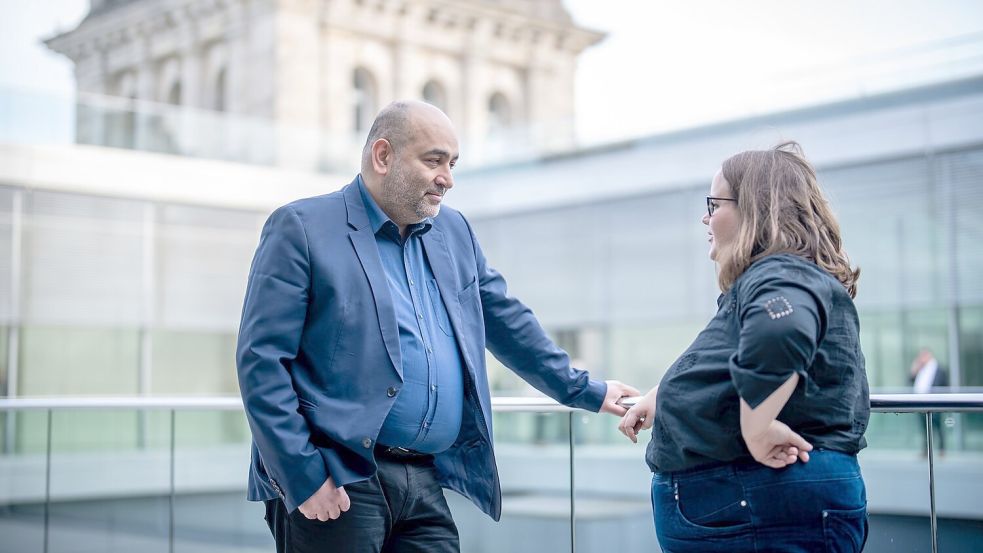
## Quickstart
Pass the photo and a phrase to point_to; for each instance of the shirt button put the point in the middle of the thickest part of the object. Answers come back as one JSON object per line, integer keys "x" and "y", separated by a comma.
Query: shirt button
{"x": 429, "y": 350}
{"x": 391, "y": 392}
{"x": 419, "y": 316}
{"x": 433, "y": 387}
{"x": 411, "y": 282}
{"x": 366, "y": 442}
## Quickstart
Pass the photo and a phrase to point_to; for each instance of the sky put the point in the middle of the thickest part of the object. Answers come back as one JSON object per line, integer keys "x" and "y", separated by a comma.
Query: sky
{"x": 666, "y": 65}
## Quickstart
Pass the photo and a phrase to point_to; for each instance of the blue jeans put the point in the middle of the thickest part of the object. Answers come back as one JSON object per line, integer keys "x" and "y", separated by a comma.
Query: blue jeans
{"x": 806, "y": 507}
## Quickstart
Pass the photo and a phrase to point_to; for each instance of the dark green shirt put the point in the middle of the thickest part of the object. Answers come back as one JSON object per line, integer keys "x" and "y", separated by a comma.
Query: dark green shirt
{"x": 783, "y": 315}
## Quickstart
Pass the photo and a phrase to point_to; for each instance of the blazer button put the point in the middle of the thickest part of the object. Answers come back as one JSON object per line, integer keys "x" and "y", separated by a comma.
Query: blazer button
{"x": 391, "y": 392}
{"x": 366, "y": 443}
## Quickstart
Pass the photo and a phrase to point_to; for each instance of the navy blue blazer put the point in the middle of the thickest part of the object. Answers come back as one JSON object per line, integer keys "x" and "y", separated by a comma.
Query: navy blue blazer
{"x": 319, "y": 360}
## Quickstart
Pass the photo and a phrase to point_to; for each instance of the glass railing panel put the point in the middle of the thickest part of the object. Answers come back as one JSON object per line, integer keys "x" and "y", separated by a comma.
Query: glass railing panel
{"x": 40, "y": 118}
{"x": 895, "y": 469}
{"x": 211, "y": 461}
{"x": 22, "y": 480}
{"x": 958, "y": 469}
{"x": 111, "y": 475}
{"x": 972, "y": 430}
{"x": 613, "y": 488}
{"x": 109, "y": 481}
{"x": 533, "y": 454}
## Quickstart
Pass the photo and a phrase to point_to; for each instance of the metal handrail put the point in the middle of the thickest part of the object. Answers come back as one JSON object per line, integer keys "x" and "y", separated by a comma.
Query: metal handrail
{"x": 879, "y": 403}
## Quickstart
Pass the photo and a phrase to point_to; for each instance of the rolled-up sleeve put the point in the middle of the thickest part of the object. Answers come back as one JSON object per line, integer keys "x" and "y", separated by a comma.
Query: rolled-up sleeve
{"x": 782, "y": 319}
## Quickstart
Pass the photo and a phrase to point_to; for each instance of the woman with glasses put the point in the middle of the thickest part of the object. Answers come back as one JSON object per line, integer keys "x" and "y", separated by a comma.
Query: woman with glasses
{"x": 756, "y": 427}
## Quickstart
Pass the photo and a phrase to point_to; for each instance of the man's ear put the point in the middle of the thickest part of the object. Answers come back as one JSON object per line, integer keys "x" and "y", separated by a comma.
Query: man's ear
{"x": 382, "y": 156}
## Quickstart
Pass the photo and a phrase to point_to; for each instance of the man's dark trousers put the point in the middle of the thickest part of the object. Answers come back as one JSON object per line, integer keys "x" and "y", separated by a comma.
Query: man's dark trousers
{"x": 401, "y": 509}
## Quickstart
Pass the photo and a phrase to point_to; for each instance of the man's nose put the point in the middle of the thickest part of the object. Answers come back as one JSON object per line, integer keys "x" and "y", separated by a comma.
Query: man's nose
{"x": 445, "y": 179}
{"x": 706, "y": 219}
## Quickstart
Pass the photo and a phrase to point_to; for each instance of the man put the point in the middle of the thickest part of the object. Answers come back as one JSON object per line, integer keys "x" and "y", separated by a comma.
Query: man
{"x": 361, "y": 354}
{"x": 926, "y": 375}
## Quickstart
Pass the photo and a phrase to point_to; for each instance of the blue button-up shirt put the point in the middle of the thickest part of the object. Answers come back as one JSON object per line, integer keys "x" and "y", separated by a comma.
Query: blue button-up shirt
{"x": 426, "y": 416}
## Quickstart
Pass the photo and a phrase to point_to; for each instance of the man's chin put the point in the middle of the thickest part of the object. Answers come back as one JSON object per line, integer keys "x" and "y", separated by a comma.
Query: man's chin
{"x": 429, "y": 212}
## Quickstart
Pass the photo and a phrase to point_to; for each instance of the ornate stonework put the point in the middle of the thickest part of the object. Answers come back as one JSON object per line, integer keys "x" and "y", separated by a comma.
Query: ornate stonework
{"x": 503, "y": 70}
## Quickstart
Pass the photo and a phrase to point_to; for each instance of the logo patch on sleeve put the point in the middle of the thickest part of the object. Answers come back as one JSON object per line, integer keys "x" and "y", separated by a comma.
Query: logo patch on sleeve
{"x": 778, "y": 307}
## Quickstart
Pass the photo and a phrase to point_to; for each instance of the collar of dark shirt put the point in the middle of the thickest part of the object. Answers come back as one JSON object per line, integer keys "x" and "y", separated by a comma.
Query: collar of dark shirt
{"x": 380, "y": 222}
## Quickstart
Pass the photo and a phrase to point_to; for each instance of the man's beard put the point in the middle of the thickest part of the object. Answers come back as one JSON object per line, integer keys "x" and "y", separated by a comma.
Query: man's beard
{"x": 404, "y": 195}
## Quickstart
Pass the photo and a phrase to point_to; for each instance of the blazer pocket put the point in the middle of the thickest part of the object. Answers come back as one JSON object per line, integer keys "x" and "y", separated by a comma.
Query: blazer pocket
{"x": 469, "y": 292}
{"x": 469, "y": 300}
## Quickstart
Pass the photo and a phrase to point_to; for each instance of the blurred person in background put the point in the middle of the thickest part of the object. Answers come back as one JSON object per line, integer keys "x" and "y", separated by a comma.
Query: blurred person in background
{"x": 361, "y": 354}
{"x": 758, "y": 424}
{"x": 927, "y": 374}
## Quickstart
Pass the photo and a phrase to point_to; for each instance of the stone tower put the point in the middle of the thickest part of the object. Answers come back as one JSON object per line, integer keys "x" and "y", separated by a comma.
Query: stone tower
{"x": 297, "y": 82}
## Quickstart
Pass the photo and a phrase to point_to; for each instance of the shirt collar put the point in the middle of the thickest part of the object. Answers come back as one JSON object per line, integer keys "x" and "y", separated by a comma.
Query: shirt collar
{"x": 378, "y": 219}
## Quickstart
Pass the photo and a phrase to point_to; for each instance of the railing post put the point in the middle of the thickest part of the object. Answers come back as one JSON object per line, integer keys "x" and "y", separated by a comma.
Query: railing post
{"x": 573, "y": 508}
{"x": 170, "y": 495}
{"x": 47, "y": 483}
{"x": 13, "y": 330}
{"x": 931, "y": 479}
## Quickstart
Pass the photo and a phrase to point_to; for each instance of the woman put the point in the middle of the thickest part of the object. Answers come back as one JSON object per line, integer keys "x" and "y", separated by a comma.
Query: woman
{"x": 757, "y": 425}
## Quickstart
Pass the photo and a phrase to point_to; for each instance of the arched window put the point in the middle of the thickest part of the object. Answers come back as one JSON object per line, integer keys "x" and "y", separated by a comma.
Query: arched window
{"x": 120, "y": 129}
{"x": 126, "y": 84}
{"x": 365, "y": 99}
{"x": 499, "y": 112}
{"x": 219, "y": 98}
{"x": 434, "y": 94}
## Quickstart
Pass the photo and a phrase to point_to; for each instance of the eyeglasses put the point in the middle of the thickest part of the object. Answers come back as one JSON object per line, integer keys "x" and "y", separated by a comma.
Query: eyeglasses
{"x": 712, "y": 206}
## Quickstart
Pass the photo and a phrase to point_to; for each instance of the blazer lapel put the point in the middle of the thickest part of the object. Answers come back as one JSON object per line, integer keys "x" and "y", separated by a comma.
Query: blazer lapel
{"x": 367, "y": 251}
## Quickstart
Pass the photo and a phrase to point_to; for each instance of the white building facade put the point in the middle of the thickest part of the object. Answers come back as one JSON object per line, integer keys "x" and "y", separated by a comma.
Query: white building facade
{"x": 303, "y": 79}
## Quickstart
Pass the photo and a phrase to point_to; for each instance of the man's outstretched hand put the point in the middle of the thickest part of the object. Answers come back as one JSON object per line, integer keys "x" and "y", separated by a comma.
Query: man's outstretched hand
{"x": 616, "y": 391}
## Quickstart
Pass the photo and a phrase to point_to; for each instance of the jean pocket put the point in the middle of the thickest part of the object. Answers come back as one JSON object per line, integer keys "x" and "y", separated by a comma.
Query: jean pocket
{"x": 845, "y": 530}
{"x": 713, "y": 502}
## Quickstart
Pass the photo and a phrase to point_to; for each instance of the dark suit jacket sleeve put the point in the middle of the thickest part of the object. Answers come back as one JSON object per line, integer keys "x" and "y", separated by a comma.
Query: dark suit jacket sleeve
{"x": 273, "y": 317}
{"x": 516, "y": 338}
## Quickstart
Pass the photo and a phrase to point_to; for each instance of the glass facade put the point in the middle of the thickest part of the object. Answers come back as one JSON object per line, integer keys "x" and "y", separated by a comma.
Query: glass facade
{"x": 105, "y": 296}
{"x": 627, "y": 283}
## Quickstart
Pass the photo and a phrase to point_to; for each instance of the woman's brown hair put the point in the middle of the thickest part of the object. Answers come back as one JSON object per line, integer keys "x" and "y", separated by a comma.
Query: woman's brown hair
{"x": 783, "y": 210}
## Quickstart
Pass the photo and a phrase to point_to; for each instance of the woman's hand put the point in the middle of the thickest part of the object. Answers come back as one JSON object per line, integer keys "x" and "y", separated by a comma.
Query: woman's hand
{"x": 778, "y": 446}
{"x": 640, "y": 416}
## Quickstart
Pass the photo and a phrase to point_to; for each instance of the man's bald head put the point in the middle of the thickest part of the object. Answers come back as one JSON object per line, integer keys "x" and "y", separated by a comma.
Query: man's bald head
{"x": 407, "y": 161}
{"x": 396, "y": 124}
